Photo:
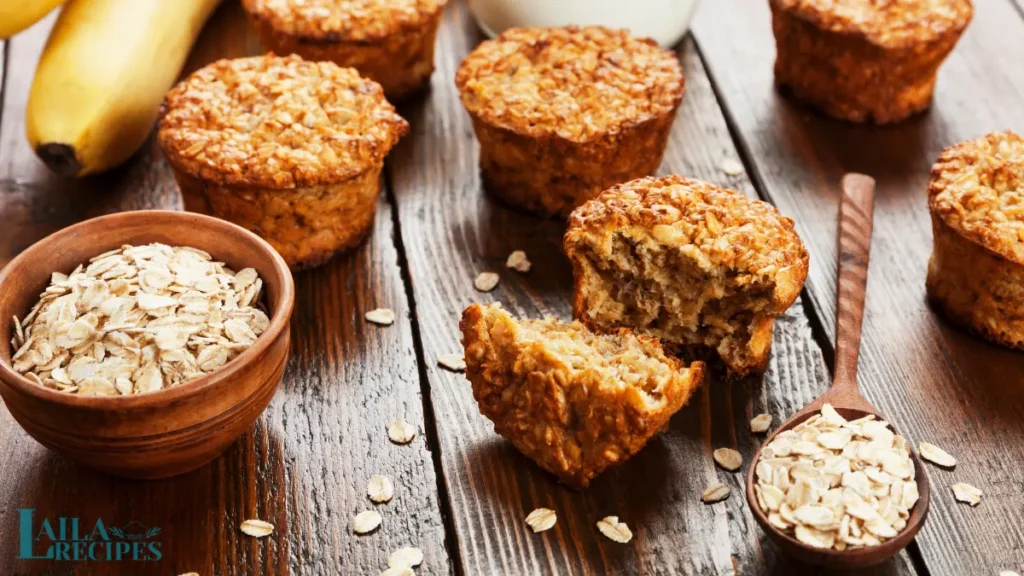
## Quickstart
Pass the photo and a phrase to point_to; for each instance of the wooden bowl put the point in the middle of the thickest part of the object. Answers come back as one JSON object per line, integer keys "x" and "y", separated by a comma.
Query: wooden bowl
{"x": 171, "y": 431}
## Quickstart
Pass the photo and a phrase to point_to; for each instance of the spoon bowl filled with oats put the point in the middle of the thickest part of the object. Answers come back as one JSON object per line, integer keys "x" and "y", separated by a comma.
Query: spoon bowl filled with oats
{"x": 836, "y": 485}
{"x": 144, "y": 343}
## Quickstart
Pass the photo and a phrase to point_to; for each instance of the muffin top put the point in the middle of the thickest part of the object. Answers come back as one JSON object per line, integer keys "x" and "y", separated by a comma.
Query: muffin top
{"x": 576, "y": 83}
{"x": 277, "y": 122}
{"x": 887, "y": 23}
{"x": 977, "y": 189}
{"x": 343, "y": 20}
{"x": 714, "y": 225}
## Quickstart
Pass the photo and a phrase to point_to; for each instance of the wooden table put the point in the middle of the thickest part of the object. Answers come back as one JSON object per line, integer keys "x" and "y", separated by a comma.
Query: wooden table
{"x": 462, "y": 492}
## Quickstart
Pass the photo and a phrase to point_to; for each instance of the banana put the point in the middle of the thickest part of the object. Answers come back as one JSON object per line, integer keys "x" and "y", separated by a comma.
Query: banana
{"x": 102, "y": 75}
{"x": 16, "y": 15}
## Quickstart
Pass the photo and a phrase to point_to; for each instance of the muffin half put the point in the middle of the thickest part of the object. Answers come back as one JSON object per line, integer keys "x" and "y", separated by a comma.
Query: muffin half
{"x": 692, "y": 264}
{"x": 388, "y": 41}
{"x": 287, "y": 148}
{"x": 864, "y": 60}
{"x": 573, "y": 401}
{"x": 563, "y": 113}
{"x": 976, "y": 271}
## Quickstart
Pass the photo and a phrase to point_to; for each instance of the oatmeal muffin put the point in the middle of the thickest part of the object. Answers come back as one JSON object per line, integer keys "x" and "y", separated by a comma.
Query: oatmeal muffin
{"x": 287, "y": 148}
{"x": 563, "y": 113}
{"x": 976, "y": 271}
{"x": 389, "y": 41}
{"x": 697, "y": 266}
{"x": 865, "y": 60}
{"x": 574, "y": 401}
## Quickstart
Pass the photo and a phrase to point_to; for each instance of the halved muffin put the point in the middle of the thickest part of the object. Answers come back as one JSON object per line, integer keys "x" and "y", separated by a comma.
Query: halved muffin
{"x": 690, "y": 263}
{"x": 388, "y": 41}
{"x": 976, "y": 271}
{"x": 287, "y": 148}
{"x": 563, "y": 113}
{"x": 574, "y": 401}
{"x": 864, "y": 60}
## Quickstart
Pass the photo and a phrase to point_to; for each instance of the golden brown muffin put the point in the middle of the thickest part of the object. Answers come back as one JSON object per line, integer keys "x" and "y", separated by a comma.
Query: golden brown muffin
{"x": 574, "y": 401}
{"x": 563, "y": 113}
{"x": 388, "y": 41}
{"x": 865, "y": 60}
{"x": 692, "y": 264}
{"x": 287, "y": 148}
{"x": 976, "y": 272}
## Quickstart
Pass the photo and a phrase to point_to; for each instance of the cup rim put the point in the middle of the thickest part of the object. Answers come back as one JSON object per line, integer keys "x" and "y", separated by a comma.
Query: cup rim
{"x": 278, "y": 321}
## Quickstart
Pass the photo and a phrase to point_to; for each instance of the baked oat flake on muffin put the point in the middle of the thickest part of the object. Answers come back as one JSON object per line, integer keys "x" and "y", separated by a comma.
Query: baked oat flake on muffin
{"x": 865, "y": 60}
{"x": 693, "y": 264}
{"x": 290, "y": 149}
{"x": 574, "y": 401}
{"x": 389, "y": 41}
{"x": 563, "y": 113}
{"x": 976, "y": 271}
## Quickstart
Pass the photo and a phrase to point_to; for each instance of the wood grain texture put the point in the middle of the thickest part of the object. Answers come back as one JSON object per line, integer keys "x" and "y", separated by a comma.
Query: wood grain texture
{"x": 936, "y": 383}
{"x": 305, "y": 465}
{"x": 450, "y": 233}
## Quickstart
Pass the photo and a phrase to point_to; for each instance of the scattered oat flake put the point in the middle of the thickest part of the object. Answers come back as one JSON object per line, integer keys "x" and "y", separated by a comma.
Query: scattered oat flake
{"x": 366, "y": 522}
{"x": 257, "y": 528}
{"x": 189, "y": 574}
{"x": 517, "y": 261}
{"x": 732, "y": 167}
{"x": 715, "y": 493}
{"x": 728, "y": 458}
{"x": 759, "y": 424}
{"x": 936, "y": 455}
{"x": 381, "y": 316}
{"x": 401, "y": 432}
{"x": 486, "y": 281}
{"x": 615, "y": 530}
{"x": 380, "y": 489}
{"x": 541, "y": 519}
{"x": 399, "y": 571}
{"x": 967, "y": 493}
{"x": 407, "y": 557}
{"x": 1008, "y": 573}
{"x": 455, "y": 362}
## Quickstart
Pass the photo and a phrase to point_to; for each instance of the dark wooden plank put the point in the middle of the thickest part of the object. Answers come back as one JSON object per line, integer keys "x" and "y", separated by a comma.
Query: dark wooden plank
{"x": 305, "y": 465}
{"x": 450, "y": 232}
{"x": 936, "y": 383}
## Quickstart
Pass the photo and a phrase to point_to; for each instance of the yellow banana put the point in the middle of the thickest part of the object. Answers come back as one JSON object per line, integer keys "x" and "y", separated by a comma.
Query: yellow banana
{"x": 16, "y": 15}
{"x": 102, "y": 76}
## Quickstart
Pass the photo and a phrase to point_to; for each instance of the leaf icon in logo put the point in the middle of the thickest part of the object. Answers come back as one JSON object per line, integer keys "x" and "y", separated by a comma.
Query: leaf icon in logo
{"x": 114, "y": 530}
{"x": 152, "y": 532}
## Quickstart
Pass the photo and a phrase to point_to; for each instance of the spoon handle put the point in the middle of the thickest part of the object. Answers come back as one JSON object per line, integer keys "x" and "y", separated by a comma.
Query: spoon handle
{"x": 855, "y": 215}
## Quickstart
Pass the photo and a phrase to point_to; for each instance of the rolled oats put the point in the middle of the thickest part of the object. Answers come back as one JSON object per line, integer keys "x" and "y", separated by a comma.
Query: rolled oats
{"x": 936, "y": 455}
{"x": 715, "y": 493}
{"x": 379, "y": 489}
{"x": 615, "y": 530}
{"x": 399, "y": 571}
{"x": 486, "y": 281}
{"x": 541, "y": 519}
{"x": 256, "y": 528}
{"x": 138, "y": 319}
{"x": 381, "y": 316}
{"x": 833, "y": 483}
{"x": 455, "y": 362}
{"x": 731, "y": 167}
{"x": 967, "y": 493}
{"x": 407, "y": 557}
{"x": 366, "y": 522}
{"x": 518, "y": 261}
{"x": 401, "y": 432}
{"x": 728, "y": 458}
{"x": 759, "y": 424}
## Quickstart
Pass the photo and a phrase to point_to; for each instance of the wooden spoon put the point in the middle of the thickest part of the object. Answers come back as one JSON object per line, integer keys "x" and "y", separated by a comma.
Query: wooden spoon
{"x": 855, "y": 213}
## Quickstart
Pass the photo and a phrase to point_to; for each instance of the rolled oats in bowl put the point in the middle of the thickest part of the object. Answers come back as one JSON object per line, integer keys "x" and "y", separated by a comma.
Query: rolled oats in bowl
{"x": 138, "y": 319}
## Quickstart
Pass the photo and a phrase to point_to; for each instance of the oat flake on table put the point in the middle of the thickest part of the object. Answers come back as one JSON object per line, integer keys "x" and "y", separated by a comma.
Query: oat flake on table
{"x": 366, "y": 522}
{"x": 407, "y": 557}
{"x": 967, "y": 494}
{"x": 518, "y": 261}
{"x": 381, "y": 316}
{"x": 759, "y": 424}
{"x": 399, "y": 571}
{"x": 401, "y": 432}
{"x": 256, "y": 528}
{"x": 728, "y": 458}
{"x": 615, "y": 530}
{"x": 936, "y": 455}
{"x": 380, "y": 489}
{"x": 541, "y": 519}
{"x": 715, "y": 493}
{"x": 138, "y": 319}
{"x": 456, "y": 362}
{"x": 486, "y": 281}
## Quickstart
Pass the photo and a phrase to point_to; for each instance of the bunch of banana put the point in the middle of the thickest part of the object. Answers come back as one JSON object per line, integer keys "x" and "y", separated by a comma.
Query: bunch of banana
{"x": 102, "y": 76}
{"x": 16, "y": 15}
